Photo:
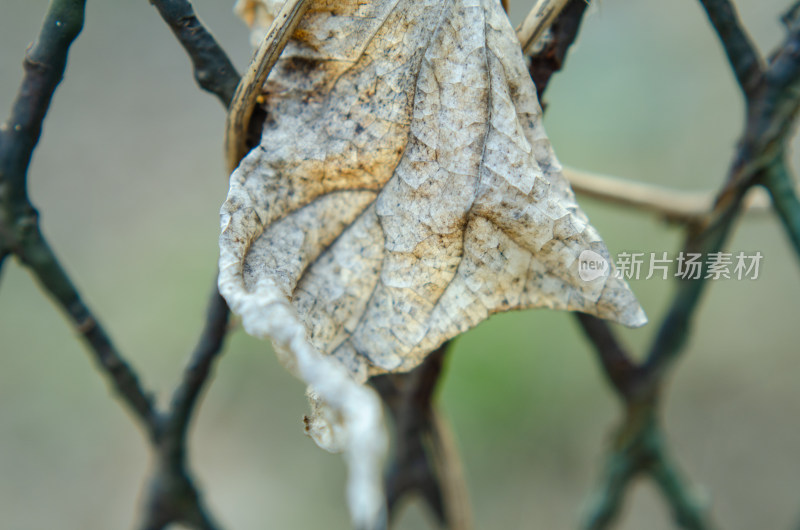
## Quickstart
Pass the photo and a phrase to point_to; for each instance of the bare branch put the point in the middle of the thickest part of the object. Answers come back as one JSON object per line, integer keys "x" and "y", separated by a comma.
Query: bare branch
{"x": 3, "y": 255}
{"x": 213, "y": 71}
{"x": 244, "y": 100}
{"x": 44, "y": 66}
{"x": 552, "y": 57}
{"x": 742, "y": 54}
{"x": 458, "y": 509}
{"x": 673, "y": 205}
{"x": 34, "y": 252}
{"x": 632, "y": 452}
{"x": 199, "y": 369}
{"x": 606, "y": 501}
{"x": 425, "y": 460}
{"x": 173, "y": 495}
{"x": 783, "y": 189}
{"x": 772, "y": 111}
{"x": 638, "y": 448}
{"x": 540, "y": 17}
{"x": 617, "y": 364}
{"x": 687, "y": 510}
{"x": 772, "y": 103}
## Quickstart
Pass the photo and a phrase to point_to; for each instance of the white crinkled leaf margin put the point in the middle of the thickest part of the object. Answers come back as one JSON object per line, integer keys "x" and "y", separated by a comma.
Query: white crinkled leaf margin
{"x": 346, "y": 415}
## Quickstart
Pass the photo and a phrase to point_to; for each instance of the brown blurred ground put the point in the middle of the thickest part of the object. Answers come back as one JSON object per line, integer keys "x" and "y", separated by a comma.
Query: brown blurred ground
{"x": 129, "y": 179}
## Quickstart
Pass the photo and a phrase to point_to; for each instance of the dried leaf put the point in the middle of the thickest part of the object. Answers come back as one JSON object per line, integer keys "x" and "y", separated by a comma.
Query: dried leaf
{"x": 258, "y": 15}
{"x": 403, "y": 191}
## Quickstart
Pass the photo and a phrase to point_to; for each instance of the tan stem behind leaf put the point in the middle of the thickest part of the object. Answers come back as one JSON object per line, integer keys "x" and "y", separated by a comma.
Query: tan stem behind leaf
{"x": 244, "y": 100}
{"x": 540, "y": 17}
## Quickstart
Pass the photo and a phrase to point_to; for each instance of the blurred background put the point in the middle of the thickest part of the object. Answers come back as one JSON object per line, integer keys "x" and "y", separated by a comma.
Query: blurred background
{"x": 129, "y": 179}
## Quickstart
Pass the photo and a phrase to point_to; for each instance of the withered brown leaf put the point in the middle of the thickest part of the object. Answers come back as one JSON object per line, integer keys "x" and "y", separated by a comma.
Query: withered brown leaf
{"x": 404, "y": 190}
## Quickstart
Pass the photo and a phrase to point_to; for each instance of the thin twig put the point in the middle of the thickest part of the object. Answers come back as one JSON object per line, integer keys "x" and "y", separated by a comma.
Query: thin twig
{"x": 44, "y": 66}
{"x": 687, "y": 509}
{"x": 672, "y": 205}
{"x": 3, "y": 255}
{"x": 173, "y": 496}
{"x": 773, "y": 105}
{"x": 632, "y": 453}
{"x": 552, "y": 57}
{"x": 538, "y": 20}
{"x": 688, "y": 207}
{"x": 35, "y": 253}
{"x": 741, "y": 52}
{"x": 244, "y": 99}
{"x": 200, "y": 365}
{"x": 639, "y": 449}
{"x": 213, "y": 71}
{"x": 638, "y": 446}
{"x": 606, "y": 501}
{"x": 772, "y": 101}
{"x": 458, "y": 509}
{"x": 425, "y": 458}
{"x": 616, "y": 362}
{"x": 781, "y": 184}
